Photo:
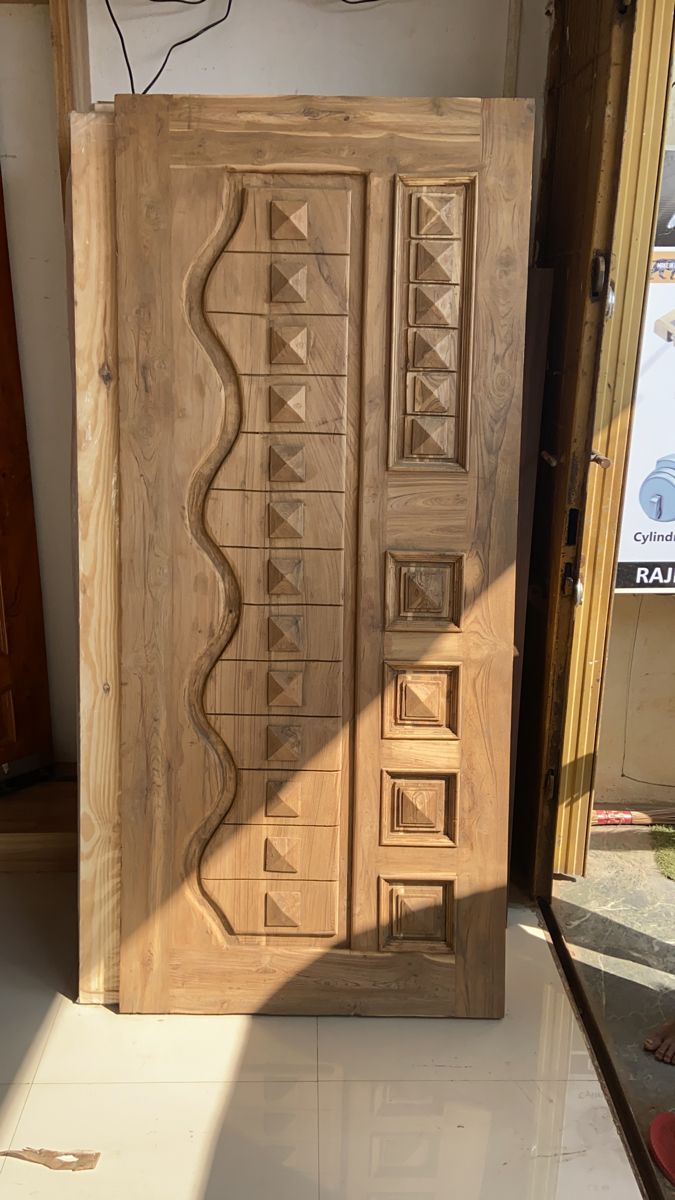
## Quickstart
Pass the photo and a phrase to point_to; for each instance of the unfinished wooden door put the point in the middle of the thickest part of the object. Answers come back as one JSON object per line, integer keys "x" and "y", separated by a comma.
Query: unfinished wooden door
{"x": 320, "y": 326}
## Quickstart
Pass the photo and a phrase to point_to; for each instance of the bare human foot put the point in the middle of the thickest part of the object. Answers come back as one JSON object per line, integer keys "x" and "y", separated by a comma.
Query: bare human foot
{"x": 662, "y": 1043}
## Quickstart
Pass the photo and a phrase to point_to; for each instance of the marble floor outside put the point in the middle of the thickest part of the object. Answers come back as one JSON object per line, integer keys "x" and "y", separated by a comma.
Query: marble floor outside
{"x": 618, "y": 923}
{"x": 240, "y": 1108}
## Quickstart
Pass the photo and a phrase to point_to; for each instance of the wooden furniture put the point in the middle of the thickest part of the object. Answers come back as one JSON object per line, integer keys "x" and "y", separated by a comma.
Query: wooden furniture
{"x": 297, "y": 669}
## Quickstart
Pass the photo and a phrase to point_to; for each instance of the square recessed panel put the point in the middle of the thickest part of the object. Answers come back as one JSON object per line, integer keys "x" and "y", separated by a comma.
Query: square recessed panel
{"x": 429, "y": 438}
{"x": 420, "y": 702}
{"x": 438, "y": 214}
{"x": 434, "y": 304}
{"x": 431, "y": 392}
{"x": 418, "y": 808}
{"x": 423, "y": 591}
{"x": 416, "y": 914}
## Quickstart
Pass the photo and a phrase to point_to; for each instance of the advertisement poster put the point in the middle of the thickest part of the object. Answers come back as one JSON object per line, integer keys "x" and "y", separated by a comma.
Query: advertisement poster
{"x": 647, "y": 539}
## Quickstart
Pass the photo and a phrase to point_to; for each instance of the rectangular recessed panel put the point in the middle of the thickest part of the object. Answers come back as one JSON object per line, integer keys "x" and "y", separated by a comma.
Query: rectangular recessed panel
{"x": 305, "y": 743}
{"x": 418, "y": 808}
{"x": 283, "y": 345}
{"x": 321, "y": 640}
{"x": 276, "y": 906}
{"x": 286, "y": 796}
{"x": 310, "y": 688}
{"x": 277, "y": 519}
{"x": 292, "y": 404}
{"x": 264, "y": 851}
{"x": 258, "y": 572}
{"x": 278, "y": 283}
{"x": 287, "y": 461}
{"x": 297, "y": 220}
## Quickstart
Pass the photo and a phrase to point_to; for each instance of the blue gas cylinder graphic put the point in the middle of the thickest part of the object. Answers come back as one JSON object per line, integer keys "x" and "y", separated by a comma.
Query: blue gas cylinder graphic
{"x": 657, "y": 494}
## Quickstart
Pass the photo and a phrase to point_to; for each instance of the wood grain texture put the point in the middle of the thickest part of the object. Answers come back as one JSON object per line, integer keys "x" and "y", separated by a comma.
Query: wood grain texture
{"x": 97, "y": 437}
{"x": 243, "y": 604}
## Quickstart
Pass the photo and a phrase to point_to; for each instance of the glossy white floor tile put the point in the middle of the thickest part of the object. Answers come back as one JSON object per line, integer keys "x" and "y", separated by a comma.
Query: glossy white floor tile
{"x": 171, "y": 1141}
{"x": 238, "y": 1108}
{"x": 477, "y": 1140}
{"x": 538, "y": 1039}
{"x": 89, "y": 1044}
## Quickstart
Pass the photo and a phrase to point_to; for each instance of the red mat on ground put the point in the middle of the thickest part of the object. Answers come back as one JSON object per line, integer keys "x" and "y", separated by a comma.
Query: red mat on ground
{"x": 662, "y": 1143}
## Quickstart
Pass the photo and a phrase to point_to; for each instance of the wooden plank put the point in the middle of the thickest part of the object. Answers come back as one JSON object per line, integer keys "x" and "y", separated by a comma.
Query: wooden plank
{"x": 289, "y": 345}
{"x": 272, "y": 852}
{"x": 286, "y": 796}
{"x": 280, "y": 520}
{"x": 317, "y": 574}
{"x": 257, "y": 635}
{"x": 313, "y": 404}
{"x": 278, "y": 283}
{"x": 313, "y": 743}
{"x": 96, "y": 417}
{"x": 284, "y": 462}
{"x": 249, "y": 688}
{"x": 70, "y": 57}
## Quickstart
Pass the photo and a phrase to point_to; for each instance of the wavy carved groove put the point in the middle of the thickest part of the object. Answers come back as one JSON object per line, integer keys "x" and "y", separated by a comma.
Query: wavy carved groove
{"x": 193, "y": 303}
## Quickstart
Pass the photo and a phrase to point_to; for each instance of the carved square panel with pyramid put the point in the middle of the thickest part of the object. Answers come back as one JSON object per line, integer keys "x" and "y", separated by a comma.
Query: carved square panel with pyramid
{"x": 288, "y": 403}
{"x": 286, "y": 518}
{"x": 436, "y": 262}
{"x": 287, "y": 462}
{"x": 420, "y": 702}
{"x": 416, "y": 914}
{"x": 433, "y": 349}
{"x": 289, "y": 219}
{"x": 284, "y": 689}
{"x": 283, "y": 910}
{"x": 431, "y": 392}
{"x": 285, "y": 576}
{"x": 283, "y": 799}
{"x": 434, "y": 304}
{"x": 286, "y": 633}
{"x": 284, "y": 743}
{"x": 429, "y": 437}
{"x": 288, "y": 281}
{"x": 281, "y": 854}
{"x": 289, "y": 344}
{"x": 418, "y": 809}
{"x": 423, "y": 590}
{"x": 439, "y": 214}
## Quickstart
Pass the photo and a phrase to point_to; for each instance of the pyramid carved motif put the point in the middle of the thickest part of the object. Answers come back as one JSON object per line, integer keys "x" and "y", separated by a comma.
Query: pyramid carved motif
{"x": 281, "y": 854}
{"x": 284, "y": 689}
{"x": 287, "y": 463}
{"x": 431, "y": 394}
{"x": 435, "y": 349}
{"x": 288, "y": 220}
{"x": 421, "y": 700}
{"x": 435, "y": 304}
{"x": 286, "y": 518}
{"x": 282, "y": 799}
{"x": 423, "y": 590}
{"x": 436, "y": 216}
{"x": 288, "y": 345}
{"x": 416, "y": 807}
{"x": 284, "y": 742}
{"x": 284, "y": 576}
{"x": 429, "y": 436}
{"x": 438, "y": 261}
{"x": 283, "y": 910}
{"x": 285, "y": 634}
{"x": 287, "y": 403}
{"x": 288, "y": 282}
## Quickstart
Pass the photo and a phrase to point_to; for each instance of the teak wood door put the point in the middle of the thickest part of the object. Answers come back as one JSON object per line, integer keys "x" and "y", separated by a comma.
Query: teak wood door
{"x": 320, "y": 328}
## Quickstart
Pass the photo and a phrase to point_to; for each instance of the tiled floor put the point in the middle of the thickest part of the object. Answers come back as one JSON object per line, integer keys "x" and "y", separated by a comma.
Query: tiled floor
{"x": 236, "y": 1108}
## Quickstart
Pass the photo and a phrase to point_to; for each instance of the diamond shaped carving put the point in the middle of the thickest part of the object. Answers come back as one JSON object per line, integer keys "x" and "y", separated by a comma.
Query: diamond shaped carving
{"x": 282, "y": 798}
{"x": 287, "y": 403}
{"x": 285, "y": 634}
{"x": 285, "y": 576}
{"x": 428, "y": 436}
{"x": 284, "y": 742}
{"x": 286, "y": 518}
{"x": 438, "y": 215}
{"x": 438, "y": 262}
{"x": 288, "y": 281}
{"x": 434, "y": 304}
{"x": 283, "y": 910}
{"x": 431, "y": 393}
{"x": 288, "y": 220}
{"x": 284, "y": 689}
{"x": 287, "y": 463}
{"x": 288, "y": 345}
{"x": 281, "y": 854}
{"x": 435, "y": 349}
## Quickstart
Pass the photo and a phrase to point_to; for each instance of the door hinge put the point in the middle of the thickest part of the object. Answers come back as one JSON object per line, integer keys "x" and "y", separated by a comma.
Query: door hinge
{"x": 599, "y": 272}
{"x": 549, "y": 784}
{"x": 572, "y": 584}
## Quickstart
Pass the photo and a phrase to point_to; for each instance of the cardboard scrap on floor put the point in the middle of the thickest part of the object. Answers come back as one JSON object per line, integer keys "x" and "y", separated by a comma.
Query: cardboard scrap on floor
{"x": 56, "y": 1160}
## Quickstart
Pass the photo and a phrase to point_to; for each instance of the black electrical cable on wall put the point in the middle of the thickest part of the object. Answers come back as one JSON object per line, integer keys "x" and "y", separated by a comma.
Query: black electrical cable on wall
{"x": 183, "y": 41}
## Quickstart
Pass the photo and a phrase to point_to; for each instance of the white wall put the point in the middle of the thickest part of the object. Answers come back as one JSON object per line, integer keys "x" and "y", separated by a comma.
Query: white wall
{"x": 30, "y": 173}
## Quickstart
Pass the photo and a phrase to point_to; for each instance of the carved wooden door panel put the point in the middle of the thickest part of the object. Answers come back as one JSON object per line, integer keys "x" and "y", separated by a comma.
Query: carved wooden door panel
{"x": 320, "y": 339}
